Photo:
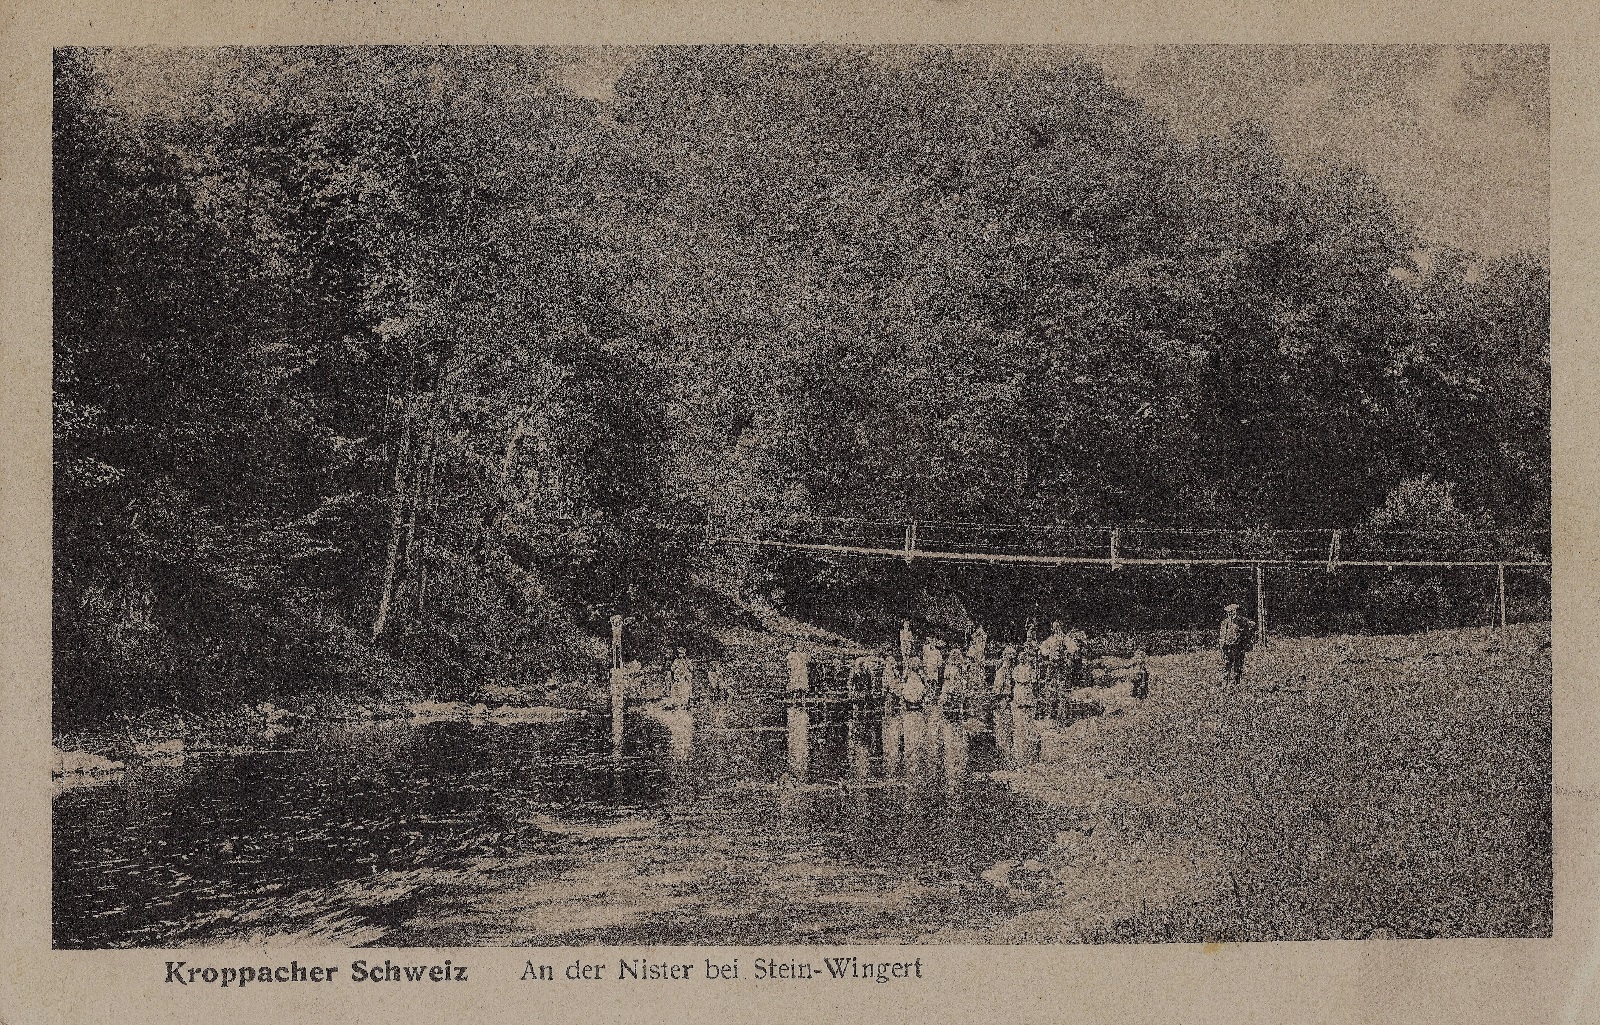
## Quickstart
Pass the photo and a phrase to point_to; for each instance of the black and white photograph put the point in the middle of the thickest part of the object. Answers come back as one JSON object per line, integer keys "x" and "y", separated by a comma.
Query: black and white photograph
{"x": 783, "y": 495}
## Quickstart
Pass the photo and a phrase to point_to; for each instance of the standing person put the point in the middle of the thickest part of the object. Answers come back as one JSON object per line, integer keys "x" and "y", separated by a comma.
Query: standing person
{"x": 907, "y": 639}
{"x": 863, "y": 676}
{"x": 1139, "y": 674}
{"x": 682, "y": 679}
{"x": 1234, "y": 638}
{"x": 1003, "y": 673}
{"x": 932, "y": 663}
{"x": 891, "y": 680}
{"x": 1052, "y": 678}
{"x": 1000, "y": 689}
{"x": 799, "y": 670}
{"x": 977, "y": 655}
{"x": 1072, "y": 667}
{"x": 953, "y": 695}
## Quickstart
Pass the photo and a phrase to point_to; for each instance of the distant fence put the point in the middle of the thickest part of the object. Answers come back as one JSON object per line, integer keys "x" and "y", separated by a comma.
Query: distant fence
{"x": 1114, "y": 548}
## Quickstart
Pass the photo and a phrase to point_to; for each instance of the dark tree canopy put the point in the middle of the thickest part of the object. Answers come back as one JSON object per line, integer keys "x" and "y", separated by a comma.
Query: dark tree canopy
{"x": 394, "y": 361}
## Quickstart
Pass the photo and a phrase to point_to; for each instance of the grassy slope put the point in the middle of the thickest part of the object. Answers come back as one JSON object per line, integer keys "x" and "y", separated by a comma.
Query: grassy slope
{"x": 1354, "y": 786}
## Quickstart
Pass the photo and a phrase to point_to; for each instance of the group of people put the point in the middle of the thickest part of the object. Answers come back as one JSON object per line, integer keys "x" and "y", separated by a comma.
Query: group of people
{"x": 680, "y": 683}
{"x": 962, "y": 679}
{"x": 966, "y": 680}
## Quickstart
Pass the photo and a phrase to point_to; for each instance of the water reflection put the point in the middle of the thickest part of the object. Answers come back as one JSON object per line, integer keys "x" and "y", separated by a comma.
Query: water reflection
{"x": 862, "y": 737}
{"x": 799, "y": 740}
{"x": 1016, "y": 736}
{"x": 618, "y": 720}
{"x": 679, "y": 724}
{"x": 953, "y": 740}
{"x": 756, "y": 822}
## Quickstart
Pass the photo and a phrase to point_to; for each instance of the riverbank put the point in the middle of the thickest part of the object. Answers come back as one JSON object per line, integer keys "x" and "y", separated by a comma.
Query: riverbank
{"x": 166, "y": 736}
{"x": 754, "y": 644}
{"x": 1353, "y": 787}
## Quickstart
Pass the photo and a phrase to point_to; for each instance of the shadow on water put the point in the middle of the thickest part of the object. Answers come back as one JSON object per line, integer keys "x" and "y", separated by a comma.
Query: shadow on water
{"x": 735, "y": 822}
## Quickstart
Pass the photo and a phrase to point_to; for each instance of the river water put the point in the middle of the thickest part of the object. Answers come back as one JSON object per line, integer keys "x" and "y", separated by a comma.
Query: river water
{"x": 741, "y": 822}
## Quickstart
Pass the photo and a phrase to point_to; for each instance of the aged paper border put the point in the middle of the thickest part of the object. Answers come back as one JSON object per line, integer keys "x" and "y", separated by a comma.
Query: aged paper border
{"x": 1555, "y": 980}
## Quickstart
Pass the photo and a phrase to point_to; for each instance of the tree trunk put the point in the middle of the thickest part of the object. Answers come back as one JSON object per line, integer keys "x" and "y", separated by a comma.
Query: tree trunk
{"x": 427, "y": 527}
{"x": 396, "y": 525}
{"x": 517, "y": 431}
{"x": 421, "y": 471}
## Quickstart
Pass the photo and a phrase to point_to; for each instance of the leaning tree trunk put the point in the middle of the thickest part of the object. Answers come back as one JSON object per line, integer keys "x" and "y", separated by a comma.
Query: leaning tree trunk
{"x": 397, "y": 522}
{"x": 421, "y": 474}
{"x": 518, "y": 429}
{"x": 429, "y": 500}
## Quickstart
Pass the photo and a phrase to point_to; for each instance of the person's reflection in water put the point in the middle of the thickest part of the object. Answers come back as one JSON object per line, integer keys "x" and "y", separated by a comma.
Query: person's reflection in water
{"x": 1003, "y": 730}
{"x": 1024, "y": 738}
{"x": 914, "y": 742}
{"x": 953, "y": 736}
{"x": 912, "y": 730}
{"x": 799, "y": 742}
{"x": 859, "y": 742}
{"x": 933, "y": 743}
{"x": 862, "y": 737}
{"x": 893, "y": 743}
{"x": 830, "y": 746}
{"x": 680, "y": 730}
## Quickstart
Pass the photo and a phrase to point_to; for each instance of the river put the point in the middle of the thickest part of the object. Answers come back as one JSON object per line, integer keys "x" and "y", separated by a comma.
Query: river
{"x": 741, "y": 822}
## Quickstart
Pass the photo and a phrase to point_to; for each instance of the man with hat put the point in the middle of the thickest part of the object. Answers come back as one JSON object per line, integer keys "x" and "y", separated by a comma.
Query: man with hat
{"x": 1234, "y": 637}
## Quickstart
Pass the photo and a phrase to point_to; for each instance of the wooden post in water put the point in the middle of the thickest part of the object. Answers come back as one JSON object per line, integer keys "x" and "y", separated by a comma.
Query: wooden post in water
{"x": 1261, "y": 605}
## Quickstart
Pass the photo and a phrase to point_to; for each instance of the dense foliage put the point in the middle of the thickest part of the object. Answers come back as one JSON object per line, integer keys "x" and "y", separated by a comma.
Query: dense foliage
{"x": 389, "y": 361}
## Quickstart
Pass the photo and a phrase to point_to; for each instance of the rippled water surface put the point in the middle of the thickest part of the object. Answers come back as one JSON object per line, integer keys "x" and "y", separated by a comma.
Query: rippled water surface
{"x": 737, "y": 823}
